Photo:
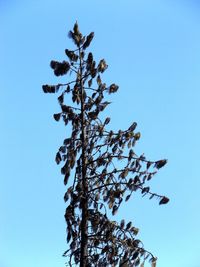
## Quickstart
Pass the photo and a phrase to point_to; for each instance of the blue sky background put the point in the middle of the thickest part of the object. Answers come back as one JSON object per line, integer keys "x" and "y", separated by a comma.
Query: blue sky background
{"x": 152, "y": 49}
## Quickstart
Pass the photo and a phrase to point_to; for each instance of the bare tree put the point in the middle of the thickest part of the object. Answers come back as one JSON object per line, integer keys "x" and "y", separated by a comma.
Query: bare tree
{"x": 102, "y": 164}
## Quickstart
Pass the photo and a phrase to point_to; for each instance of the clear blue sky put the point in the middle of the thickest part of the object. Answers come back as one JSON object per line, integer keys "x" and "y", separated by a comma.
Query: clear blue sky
{"x": 153, "y": 52}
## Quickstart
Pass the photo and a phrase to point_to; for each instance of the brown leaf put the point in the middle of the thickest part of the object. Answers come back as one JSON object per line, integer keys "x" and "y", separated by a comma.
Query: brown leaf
{"x": 58, "y": 158}
{"x": 164, "y": 200}
{"x": 57, "y": 116}
{"x": 160, "y": 163}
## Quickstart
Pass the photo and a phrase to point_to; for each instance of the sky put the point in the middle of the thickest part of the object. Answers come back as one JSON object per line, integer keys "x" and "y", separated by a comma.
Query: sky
{"x": 152, "y": 49}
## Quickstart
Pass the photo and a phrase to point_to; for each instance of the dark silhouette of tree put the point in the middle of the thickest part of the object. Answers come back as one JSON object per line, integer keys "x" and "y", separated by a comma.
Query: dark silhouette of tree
{"x": 102, "y": 164}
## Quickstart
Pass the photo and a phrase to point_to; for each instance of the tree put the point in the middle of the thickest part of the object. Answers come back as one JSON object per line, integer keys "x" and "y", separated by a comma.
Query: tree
{"x": 102, "y": 164}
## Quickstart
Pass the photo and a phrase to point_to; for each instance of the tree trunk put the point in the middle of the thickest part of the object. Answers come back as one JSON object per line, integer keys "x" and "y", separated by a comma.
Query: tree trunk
{"x": 84, "y": 204}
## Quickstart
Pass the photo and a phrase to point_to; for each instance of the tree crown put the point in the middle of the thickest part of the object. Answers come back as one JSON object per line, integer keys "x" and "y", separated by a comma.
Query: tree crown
{"x": 102, "y": 164}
